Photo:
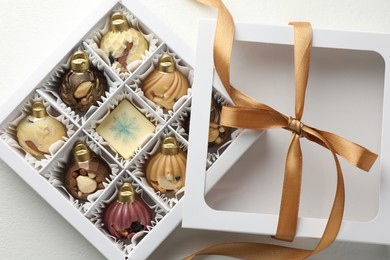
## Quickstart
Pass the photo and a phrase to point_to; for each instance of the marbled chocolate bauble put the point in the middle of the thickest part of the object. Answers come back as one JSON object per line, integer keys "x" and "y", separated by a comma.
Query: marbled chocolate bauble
{"x": 85, "y": 173}
{"x": 166, "y": 170}
{"x": 127, "y": 215}
{"x": 82, "y": 85}
{"x": 165, "y": 85}
{"x": 123, "y": 44}
{"x": 38, "y": 131}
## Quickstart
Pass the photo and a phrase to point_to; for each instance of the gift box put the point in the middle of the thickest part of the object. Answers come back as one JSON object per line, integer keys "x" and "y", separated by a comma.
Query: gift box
{"x": 46, "y": 173}
{"x": 346, "y": 94}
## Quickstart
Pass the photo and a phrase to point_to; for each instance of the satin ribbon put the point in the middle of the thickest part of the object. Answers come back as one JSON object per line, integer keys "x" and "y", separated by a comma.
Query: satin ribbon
{"x": 251, "y": 114}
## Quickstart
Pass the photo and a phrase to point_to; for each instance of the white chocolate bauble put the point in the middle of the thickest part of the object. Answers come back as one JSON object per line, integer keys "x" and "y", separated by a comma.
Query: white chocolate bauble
{"x": 115, "y": 44}
{"x": 37, "y": 135}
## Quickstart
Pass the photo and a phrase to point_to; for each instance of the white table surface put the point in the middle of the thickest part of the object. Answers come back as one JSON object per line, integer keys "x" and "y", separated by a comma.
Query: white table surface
{"x": 29, "y": 31}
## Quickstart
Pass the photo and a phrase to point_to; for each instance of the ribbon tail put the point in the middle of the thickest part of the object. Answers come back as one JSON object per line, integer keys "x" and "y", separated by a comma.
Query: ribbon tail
{"x": 355, "y": 154}
{"x": 260, "y": 251}
{"x": 289, "y": 206}
{"x": 336, "y": 215}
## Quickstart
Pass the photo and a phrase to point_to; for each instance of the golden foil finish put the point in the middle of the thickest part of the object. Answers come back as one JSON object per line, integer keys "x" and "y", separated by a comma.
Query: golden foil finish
{"x": 123, "y": 44}
{"x": 83, "y": 85}
{"x": 126, "y": 193}
{"x": 85, "y": 173}
{"x": 38, "y": 131}
{"x": 166, "y": 170}
{"x": 165, "y": 85}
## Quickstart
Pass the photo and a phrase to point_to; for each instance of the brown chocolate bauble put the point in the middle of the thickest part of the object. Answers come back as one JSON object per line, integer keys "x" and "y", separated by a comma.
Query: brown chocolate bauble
{"x": 83, "y": 85}
{"x": 85, "y": 173}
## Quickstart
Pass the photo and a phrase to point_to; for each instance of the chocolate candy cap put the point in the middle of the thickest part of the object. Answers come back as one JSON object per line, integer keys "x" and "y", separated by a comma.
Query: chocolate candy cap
{"x": 80, "y": 62}
{"x": 38, "y": 110}
{"x": 119, "y": 22}
{"x": 166, "y": 64}
{"x": 81, "y": 152}
{"x": 126, "y": 193}
{"x": 169, "y": 146}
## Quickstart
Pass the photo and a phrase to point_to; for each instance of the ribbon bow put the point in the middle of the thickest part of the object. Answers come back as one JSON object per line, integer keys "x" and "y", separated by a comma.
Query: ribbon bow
{"x": 251, "y": 114}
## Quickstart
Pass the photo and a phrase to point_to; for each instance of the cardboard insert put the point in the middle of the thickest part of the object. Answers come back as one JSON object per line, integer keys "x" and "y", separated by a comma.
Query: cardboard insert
{"x": 45, "y": 176}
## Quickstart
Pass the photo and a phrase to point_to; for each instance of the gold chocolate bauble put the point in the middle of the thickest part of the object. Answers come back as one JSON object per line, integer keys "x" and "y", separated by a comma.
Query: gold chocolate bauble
{"x": 82, "y": 85}
{"x": 165, "y": 85}
{"x": 85, "y": 173}
{"x": 38, "y": 131}
{"x": 217, "y": 133}
{"x": 123, "y": 44}
{"x": 166, "y": 170}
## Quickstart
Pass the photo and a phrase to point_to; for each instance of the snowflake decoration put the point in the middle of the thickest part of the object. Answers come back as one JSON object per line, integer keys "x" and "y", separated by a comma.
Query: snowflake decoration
{"x": 124, "y": 127}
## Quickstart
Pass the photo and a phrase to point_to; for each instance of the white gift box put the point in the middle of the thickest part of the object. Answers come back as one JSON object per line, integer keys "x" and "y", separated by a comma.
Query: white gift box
{"x": 45, "y": 176}
{"x": 347, "y": 94}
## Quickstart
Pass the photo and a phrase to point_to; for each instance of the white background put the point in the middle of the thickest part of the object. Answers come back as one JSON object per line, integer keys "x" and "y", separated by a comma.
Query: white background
{"x": 31, "y": 30}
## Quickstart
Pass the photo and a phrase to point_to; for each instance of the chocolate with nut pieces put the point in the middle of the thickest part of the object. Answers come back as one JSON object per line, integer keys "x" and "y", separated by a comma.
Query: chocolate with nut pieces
{"x": 86, "y": 172}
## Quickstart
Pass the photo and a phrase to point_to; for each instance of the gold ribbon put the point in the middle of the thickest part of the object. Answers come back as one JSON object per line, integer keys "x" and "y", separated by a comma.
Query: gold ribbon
{"x": 251, "y": 114}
